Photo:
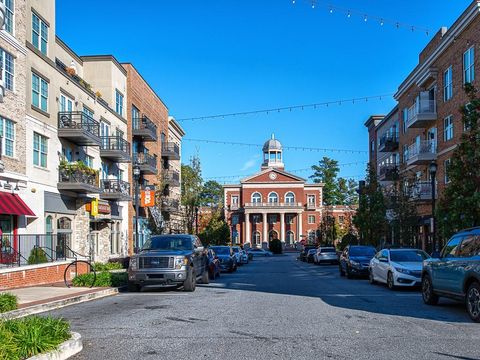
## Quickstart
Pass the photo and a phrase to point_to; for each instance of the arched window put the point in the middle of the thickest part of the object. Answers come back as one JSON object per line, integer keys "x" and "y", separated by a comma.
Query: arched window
{"x": 256, "y": 198}
{"x": 290, "y": 238}
{"x": 273, "y": 197}
{"x": 256, "y": 238}
{"x": 290, "y": 198}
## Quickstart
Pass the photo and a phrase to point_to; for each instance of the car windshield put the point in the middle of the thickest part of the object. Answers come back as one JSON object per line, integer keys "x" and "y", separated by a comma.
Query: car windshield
{"x": 327, "y": 250}
{"x": 222, "y": 250}
{"x": 408, "y": 256}
{"x": 362, "y": 251}
{"x": 168, "y": 243}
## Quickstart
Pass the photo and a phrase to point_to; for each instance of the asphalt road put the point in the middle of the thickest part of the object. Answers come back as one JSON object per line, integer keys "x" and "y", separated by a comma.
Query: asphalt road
{"x": 274, "y": 308}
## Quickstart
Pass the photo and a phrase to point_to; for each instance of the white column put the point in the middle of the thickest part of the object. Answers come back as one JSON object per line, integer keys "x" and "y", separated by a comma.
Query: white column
{"x": 282, "y": 227}
{"x": 299, "y": 225}
{"x": 248, "y": 232}
{"x": 265, "y": 228}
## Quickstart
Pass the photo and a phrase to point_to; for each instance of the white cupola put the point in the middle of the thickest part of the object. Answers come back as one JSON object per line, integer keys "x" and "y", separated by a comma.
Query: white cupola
{"x": 273, "y": 154}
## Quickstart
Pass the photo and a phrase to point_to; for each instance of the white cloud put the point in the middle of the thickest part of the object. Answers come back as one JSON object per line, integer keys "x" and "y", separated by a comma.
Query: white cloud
{"x": 250, "y": 163}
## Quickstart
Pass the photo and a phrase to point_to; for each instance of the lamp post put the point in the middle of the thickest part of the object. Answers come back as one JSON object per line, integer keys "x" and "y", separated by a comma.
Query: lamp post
{"x": 136, "y": 178}
{"x": 196, "y": 220}
{"x": 432, "y": 168}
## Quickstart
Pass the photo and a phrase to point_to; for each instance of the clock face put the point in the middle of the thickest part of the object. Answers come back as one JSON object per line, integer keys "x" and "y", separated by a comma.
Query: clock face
{"x": 272, "y": 176}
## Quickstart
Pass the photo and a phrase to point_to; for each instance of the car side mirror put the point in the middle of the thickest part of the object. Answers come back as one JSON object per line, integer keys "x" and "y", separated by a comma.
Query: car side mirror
{"x": 199, "y": 249}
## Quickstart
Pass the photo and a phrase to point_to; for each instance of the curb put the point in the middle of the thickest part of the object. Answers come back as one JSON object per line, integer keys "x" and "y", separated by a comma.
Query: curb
{"x": 64, "y": 351}
{"x": 35, "y": 309}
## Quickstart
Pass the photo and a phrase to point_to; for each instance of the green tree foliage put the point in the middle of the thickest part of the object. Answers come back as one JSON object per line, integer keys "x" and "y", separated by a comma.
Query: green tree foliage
{"x": 336, "y": 191}
{"x": 191, "y": 190}
{"x": 459, "y": 206}
{"x": 347, "y": 239}
{"x": 275, "y": 246}
{"x": 37, "y": 256}
{"x": 212, "y": 194}
{"x": 217, "y": 231}
{"x": 370, "y": 217}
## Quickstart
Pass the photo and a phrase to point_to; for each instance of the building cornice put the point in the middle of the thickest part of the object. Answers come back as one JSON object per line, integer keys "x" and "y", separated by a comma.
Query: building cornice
{"x": 11, "y": 40}
{"x": 91, "y": 58}
{"x": 176, "y": 126}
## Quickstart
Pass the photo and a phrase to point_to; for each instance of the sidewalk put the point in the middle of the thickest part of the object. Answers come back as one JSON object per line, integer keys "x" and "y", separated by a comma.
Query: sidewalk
{"x": 37, "y": 299}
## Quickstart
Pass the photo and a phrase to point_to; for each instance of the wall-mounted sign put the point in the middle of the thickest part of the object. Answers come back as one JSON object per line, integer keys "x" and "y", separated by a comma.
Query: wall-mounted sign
{"x": 95, "y": 207}
{"x": 147, "y": 198}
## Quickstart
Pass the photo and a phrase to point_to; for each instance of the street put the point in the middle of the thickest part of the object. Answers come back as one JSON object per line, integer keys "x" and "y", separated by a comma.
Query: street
{"x": 274, "y": 308}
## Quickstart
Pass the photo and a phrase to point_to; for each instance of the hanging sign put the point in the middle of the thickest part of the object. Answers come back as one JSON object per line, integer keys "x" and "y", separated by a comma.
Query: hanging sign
{"x": 147, "y": 198}
{"x": 94, "y": 207}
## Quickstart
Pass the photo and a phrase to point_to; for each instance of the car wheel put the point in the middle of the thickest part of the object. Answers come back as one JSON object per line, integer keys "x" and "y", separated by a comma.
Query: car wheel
{"x": 205, "y": 277}
{"x": 349, "y": 273}
{"x": 342, "y": 273}
{"x": 190, "y": 283}
{"x": 429, "y": 297}
{"x": 371, "y": 278}
{"x": 132, "y": 287}
{"x": 473, "y": 301}
{"x": 390, "y": 281}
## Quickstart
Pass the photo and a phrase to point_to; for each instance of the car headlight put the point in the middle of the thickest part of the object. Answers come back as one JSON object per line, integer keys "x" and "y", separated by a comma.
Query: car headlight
{"x": 180, "y": 262}
{"x": 403, "y": 271}
{"x": 133, "y": 263}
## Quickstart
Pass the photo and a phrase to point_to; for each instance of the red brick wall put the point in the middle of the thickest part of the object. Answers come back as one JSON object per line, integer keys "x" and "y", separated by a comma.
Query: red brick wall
{"x": 39, "y": 275}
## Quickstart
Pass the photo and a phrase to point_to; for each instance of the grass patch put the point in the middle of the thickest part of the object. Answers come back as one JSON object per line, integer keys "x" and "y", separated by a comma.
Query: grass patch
{"x": 107, "y": 267}
{"x": 8, "y": 302}
{"x": 104, "y": 279}
{"x": 30, "y": 336}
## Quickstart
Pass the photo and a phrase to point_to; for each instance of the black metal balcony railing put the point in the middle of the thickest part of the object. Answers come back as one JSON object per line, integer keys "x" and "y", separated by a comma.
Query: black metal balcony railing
{"x": 389, "y": 141}
{"x": 145, "y": 159}
{"x": 389, "y": 172}
{"x": 115, "y": 143}
{"x": 77, "y": 120}
{"x": 78, "y": 176}
{"x": 116, "y": 186}
{"x": 171, "y": 176}
{"x": 139, "y": 125}
{"x": 170, "y": 148}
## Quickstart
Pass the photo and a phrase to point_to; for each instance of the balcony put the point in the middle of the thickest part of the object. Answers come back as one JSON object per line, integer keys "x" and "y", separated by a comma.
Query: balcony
{"x": 388, "y": 173}
{"x": 422, "y": 153}
{"x": 79, "y": 180}
{"x": 422, "y": 113}
{"x": 273, "y": 205}
{"x": 79, "y": 128}
{"x": 170, "y": 205}
{"x": 388, "y": 142}
{"x": 146, "y": 162}
{"x": 170, "y": 151}
{"x": 171, "y": 177}
{"x": 115, "y": 189}
{"x": 144, "y": 128}
{"x": 422, "y": 191}
{"x": 115, "y": 148}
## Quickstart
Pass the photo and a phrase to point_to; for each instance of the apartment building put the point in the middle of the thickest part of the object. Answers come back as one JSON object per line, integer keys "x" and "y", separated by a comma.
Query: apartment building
{"x": 429, "y": 121}
{"x": 77, "y": 154}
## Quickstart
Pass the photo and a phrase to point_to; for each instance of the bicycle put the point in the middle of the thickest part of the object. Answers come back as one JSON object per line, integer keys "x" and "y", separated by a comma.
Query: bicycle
{"x": 76, "y": 266}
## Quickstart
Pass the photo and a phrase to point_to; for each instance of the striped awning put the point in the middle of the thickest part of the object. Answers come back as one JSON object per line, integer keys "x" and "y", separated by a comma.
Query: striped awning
{"x": 12, "y": 204}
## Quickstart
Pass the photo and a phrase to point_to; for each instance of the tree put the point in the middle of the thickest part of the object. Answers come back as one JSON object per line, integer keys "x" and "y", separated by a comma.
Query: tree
{"x": 346, "y": 192}
{"x": 217, "y": 231}
{"x": 326, "y": 172}
{"x": 191, "y": 190}
{"x": 370, "y": 217}
{"x": 459, "y": 206}
{"x": 212, "y": 194}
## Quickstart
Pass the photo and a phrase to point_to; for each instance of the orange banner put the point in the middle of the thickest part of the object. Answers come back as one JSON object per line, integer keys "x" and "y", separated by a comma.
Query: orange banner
{"x": 147, "y": 198}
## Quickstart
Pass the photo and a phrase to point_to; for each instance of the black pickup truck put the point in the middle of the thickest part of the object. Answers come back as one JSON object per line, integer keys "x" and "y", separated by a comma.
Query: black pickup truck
{"x": 169, "y": 260}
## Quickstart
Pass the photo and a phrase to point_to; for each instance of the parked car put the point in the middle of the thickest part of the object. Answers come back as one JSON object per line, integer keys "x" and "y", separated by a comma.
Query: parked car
{"x": 213, "y": 264}
{"x": 355, "y": 260}
{"x": 228, "y": 260}
{"x": 325, "y": 254}
{"x": 310, "y": 254}
{"x": 244, "y": 257}
{"x": 260, "y": 252}
{"x": 169, "y": 260}
{"x": 397, "y": 267}
{"x": 249, "y": 253}
{"x": 456, "y": 274}
{"x": 304, "y": 252}
{"x": 238, "y": 256}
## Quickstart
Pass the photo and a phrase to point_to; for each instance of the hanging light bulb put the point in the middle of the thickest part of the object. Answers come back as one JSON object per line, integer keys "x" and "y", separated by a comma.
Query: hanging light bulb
{"x": 313, "y": 4}
{"x": 381, "y": 22}
{"x": 293, "y": 2}
{"x": 365, "y": 18}
{"x": 331, "y": 10}
{"x": 348, "y": 14}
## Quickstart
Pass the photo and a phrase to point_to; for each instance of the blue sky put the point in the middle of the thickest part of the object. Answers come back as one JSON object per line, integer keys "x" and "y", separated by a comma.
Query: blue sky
{"x": 221, "y": 56}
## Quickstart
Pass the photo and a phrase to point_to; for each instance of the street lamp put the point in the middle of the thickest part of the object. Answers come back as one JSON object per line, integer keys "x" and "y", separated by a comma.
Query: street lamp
{"x": 136, "y": 178}
{"x": 432, "y": 168}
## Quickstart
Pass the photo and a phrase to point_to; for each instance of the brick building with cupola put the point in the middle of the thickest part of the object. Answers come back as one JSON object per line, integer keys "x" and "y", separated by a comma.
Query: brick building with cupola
{"x": 273, "y": 204}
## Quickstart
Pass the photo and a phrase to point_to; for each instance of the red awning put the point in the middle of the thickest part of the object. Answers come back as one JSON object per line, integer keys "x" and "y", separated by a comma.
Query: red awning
{"x": 12, "y": 204}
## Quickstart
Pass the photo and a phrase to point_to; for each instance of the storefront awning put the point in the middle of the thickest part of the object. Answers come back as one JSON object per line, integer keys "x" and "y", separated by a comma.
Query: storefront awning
{"x": 12, "y": 204}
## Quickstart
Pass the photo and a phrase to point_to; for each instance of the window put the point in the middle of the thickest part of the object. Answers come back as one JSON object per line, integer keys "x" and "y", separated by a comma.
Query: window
{"x": 289, "y": 219}
{"x": 450, "y": 250}
{"x": 272, "y": 218}
{"x": 446, "y": 166}
{"x": 405, "y": 153}
{"x": 372, "y": 146}
{"x": 89, "y": 161}
{"x": 448, "y": 128}
{"x": 404, "y": 120}
{"x": 135, "y": 116}
{"x": 256, "y": 219}
{"x": 273, "y": 197}
{"x": 256, "y": 238}
{"x": 66, "y": 104}
{"x": 8, "y": 69}
{"x": 447, "y": 84}
{"x": 470, "y": 246}
{"x": 469, "y": 66}
{"x": 67, "y": 153}
{"x": 311, "y": 200}
{"x": 311, "y": 219}
{"x": 118, "y": 102}
{"x": 290, "y": 198}
{"x": 39, "y": 92}
{"x": 39, "y": 34}
{"x": 235, "y": 200}
{"x": 87, "y": 111}
{"x": 115, "y": 234}
{"x": 7, "y": 136}
{"x": 40, "y": 150}
{"x": 256, "y": 198}
{"x": 9, "y": 12}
